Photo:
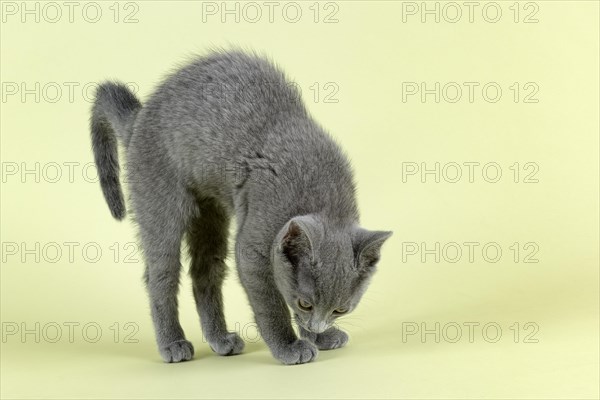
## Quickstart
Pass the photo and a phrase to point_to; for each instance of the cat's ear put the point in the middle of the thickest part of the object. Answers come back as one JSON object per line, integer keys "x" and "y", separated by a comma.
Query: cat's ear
{"x": 367, "y": 248}
{"x": 300, "y": 236}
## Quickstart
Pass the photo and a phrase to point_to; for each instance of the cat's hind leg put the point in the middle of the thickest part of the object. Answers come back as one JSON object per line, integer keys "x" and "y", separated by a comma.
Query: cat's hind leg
{"x": 162, "y": 208}
{"x": 207, "y": 240}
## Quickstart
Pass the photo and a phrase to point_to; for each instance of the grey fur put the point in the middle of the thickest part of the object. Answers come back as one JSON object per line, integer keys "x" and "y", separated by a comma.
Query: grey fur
{"x": 228, "y": 135}
{"x": 113, "y": 113}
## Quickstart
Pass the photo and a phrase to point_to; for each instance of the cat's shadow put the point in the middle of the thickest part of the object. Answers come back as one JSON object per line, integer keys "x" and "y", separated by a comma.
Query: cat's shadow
{"x": 145, "y": 351}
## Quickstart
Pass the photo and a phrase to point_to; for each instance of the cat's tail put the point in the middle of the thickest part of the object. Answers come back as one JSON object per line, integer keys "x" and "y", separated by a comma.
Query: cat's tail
{"x": 113, "y": 114}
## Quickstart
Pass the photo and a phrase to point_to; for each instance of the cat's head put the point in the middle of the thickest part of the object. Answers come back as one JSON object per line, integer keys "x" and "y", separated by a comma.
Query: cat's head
{"x": 322, "y": 272}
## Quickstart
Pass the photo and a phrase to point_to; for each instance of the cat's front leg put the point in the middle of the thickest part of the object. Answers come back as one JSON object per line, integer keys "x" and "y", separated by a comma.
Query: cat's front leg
{"x": 274, "y": 323}
{"x": 272, "y": 314}
{"x": 332, "y": 338}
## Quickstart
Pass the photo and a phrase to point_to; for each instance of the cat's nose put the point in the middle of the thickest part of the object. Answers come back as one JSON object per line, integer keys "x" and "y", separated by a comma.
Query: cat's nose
{"x": 317, "y": 326}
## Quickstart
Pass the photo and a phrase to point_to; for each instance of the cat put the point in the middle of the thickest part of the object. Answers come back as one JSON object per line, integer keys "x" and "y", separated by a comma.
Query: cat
{"x": 227, "y": 135}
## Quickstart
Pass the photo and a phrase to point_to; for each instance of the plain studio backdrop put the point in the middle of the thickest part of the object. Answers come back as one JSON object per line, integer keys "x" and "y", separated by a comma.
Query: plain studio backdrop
{"x": 473, "y": 131}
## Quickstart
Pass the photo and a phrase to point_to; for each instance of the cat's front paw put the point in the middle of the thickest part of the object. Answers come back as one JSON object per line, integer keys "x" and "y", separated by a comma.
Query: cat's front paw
{"x": 298, "y": 352}
{"x": 180, "y": 350}
{"x": 332, "y": 338}
{"x": 228, "y": 345}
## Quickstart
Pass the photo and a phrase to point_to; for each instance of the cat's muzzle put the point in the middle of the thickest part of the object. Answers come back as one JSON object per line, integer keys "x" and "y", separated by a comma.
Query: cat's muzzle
{"x": 312, "y": 326}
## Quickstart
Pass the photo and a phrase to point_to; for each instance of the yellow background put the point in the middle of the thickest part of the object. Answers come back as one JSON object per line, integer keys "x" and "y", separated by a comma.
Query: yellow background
{"x": 367, "y": 55}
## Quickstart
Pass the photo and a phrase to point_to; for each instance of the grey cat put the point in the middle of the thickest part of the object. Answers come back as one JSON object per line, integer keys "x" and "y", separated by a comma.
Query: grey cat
{"x": 228, "y": 135}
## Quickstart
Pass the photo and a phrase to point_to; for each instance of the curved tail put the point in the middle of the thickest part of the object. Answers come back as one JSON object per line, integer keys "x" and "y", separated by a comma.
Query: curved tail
{"x": 113, "y": 114}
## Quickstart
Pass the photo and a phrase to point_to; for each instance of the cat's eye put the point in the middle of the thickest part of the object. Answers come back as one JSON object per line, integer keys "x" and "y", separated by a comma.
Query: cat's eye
{"x": 304, "y": 305}
{"x": 340, "y": 311}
